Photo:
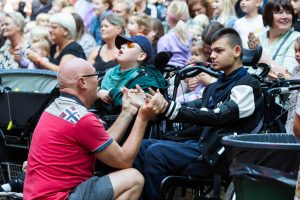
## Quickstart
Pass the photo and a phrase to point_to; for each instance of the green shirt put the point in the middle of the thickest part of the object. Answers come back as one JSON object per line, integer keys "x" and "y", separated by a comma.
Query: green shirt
{"x": 145, "y": 76}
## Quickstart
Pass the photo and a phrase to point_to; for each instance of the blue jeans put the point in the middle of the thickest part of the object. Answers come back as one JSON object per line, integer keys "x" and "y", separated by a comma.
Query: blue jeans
{"x": 159, "y": 158}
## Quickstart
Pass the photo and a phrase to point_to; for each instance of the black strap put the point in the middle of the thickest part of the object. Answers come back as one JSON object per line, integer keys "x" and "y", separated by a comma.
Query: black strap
{"x": 141, "y": 72}
{"x": 279, "y": 47}
{"x": 217, "y": 183}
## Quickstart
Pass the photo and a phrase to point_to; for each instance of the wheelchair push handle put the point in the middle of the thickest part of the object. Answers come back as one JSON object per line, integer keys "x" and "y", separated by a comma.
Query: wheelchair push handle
{"x": 194, "y": 70}
{"x": 288, "y": 86}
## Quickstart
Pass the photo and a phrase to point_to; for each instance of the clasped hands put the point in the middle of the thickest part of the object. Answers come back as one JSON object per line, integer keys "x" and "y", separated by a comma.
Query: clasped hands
{"x": 149, "y": 105}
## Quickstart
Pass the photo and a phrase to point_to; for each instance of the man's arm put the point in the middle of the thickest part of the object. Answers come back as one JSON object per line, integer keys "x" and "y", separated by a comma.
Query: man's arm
{"x": 123, "y": 157}
{"x": 119, "y": 127}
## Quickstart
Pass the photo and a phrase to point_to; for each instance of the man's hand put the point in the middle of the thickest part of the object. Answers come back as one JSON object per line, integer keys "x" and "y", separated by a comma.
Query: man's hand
{"x": 126, "y": 102}
{"x": 155, "y": 104}
{"x": 104, "y": 96}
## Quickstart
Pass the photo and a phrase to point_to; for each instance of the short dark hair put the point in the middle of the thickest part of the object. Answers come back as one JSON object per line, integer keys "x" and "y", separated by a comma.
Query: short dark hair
{"x": 276, "y": 5}
{"x": 232, "y": 37}
{"x": 209, "y": 31}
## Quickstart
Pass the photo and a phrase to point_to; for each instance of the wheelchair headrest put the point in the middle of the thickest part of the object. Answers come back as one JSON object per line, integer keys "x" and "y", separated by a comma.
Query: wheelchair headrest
{"x": 162, "y": 59}
{"x": 252, "y": 56}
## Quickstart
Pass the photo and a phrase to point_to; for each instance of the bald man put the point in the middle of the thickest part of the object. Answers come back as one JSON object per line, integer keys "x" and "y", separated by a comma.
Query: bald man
{"x": 68, "y": 138}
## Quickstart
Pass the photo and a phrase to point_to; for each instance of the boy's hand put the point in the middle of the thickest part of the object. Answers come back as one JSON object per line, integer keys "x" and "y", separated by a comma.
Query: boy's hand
{"x": 155, "y": 104}
{"x": 137, "y": 96}
{"x": 126, "y": 102}
{"x": 104, "y": 96}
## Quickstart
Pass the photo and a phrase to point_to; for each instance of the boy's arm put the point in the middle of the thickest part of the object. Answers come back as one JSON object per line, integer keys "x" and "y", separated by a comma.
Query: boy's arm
{"x": 240, "y": 105}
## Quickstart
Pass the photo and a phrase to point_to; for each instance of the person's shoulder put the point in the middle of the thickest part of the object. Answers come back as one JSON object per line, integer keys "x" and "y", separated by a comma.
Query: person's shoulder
{"x": 113, "y": 70}
{"x": 165, "y": 37}
{"x": 295, "y": 34}
{"x": 74, "y": 44}
{"x": 249, "y": 80}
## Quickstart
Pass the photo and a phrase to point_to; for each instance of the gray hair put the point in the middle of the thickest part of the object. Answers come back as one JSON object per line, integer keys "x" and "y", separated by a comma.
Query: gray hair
{"x": 116, "y": 20}
{"x": 17, "y": 19}
{"x": 67, "y": 21}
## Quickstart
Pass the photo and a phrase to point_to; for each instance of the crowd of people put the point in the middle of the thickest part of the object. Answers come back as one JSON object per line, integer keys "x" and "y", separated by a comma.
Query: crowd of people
{"x": 105, "y": 51}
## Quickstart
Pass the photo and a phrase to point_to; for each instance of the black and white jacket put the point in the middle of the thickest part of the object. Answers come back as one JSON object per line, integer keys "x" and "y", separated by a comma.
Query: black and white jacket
{"x": 241, "y": 111}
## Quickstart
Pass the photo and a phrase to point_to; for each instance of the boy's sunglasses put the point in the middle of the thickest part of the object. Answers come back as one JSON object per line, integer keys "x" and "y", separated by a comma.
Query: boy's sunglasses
{"x": 131, "y": 45}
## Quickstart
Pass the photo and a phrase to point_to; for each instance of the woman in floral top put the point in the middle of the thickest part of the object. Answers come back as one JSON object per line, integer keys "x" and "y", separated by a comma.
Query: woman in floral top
{"x": 12, "y": 52}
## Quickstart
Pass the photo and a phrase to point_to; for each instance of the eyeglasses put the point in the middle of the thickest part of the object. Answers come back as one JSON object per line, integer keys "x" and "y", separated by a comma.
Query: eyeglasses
{"x": 98, "y": 74}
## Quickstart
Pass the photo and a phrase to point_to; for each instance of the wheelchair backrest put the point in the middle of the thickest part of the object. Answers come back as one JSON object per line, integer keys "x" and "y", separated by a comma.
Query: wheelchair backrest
{"x": 26, "y": 80}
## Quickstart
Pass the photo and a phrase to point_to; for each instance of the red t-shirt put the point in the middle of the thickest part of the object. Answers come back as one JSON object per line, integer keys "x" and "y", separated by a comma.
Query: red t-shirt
{"x": 62, "y": 151}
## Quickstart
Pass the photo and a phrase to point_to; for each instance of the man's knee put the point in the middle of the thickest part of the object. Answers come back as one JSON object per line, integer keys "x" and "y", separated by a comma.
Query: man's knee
{"x": 138, "y": 177}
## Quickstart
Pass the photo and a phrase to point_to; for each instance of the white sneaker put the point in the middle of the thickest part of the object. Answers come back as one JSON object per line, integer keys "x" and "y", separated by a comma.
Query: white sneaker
{"x": 3, "y": 194}
{"x": 20, "y": 195}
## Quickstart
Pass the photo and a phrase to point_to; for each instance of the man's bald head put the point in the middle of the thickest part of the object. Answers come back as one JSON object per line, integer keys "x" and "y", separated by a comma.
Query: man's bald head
{"x": 69, "y": 73}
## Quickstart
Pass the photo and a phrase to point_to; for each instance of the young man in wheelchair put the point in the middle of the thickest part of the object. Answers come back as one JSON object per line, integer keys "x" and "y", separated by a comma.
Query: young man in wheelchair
{"x": 231, "y": 105}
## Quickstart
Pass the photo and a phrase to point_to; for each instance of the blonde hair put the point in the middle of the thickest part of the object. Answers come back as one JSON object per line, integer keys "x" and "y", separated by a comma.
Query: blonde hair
{"x": 297, "y": 41}
{"x": 43, "y": 45}
{"x": 227, "y": 12}
{"x": 143, "y": 21}
{"x": 178, "y": 14}
{"x": 40, "y": 33}
{"x": 17, "y": 19}
{"x": 198, "y": 24}
{"x": 67, "y": 21}
{"x": 40, "y": 17}
{"x": 29, "y": 27}
{"x": 61, "y": 3}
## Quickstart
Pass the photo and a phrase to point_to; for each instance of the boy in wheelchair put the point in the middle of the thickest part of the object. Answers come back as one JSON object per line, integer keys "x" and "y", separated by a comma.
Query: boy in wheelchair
{"x": 133, "y": 58}
{"x": 231, "y": 105}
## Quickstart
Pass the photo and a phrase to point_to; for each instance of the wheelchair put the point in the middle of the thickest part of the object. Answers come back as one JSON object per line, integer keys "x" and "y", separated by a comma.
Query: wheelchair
{"x": 205, "y": 181}
{"x": 24, "y": 94}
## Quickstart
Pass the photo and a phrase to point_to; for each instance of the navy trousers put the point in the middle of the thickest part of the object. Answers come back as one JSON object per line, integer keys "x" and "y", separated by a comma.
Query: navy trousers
{"x": 159, "y": 158}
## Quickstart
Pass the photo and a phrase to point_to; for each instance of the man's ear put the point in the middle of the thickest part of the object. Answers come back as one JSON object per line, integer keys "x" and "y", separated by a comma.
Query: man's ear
{"x": 142, "y": 57}
{"x": 237, "y": 51}
{"x": 81, "y": 83}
